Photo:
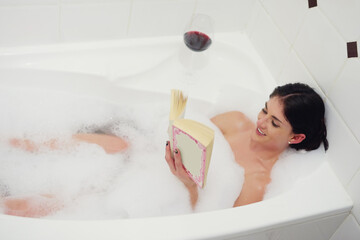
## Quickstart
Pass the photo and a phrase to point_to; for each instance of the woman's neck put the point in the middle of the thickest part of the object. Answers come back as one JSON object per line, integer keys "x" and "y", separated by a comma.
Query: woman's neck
{"x": 265, "y": 154}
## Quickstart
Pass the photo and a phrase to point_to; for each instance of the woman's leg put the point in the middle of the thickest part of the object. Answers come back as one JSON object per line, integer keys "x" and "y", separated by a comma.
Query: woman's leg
{"x": 111, "y": 144}
{"x": 31, "y": 146}
{"x": 35, "y": 206}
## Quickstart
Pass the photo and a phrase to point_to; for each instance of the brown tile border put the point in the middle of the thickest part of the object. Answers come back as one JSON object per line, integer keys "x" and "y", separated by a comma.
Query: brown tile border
{"x": 352, "y": 49}
{"x": 312, "y": 3}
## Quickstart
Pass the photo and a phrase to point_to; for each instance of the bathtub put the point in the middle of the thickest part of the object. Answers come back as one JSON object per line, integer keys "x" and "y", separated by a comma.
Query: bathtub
{"x": 125, "y": 70}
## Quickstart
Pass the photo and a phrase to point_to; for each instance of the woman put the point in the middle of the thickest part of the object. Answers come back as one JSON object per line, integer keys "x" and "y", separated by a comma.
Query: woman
{"x": 292, "y": 117}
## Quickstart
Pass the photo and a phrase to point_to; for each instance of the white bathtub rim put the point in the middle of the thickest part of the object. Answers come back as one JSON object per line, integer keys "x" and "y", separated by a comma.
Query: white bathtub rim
{"x": 244, "y": 220}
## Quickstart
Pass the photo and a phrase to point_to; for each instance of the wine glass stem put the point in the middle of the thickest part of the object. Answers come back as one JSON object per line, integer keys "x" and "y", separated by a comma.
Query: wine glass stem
{"x": 190, "y": 74}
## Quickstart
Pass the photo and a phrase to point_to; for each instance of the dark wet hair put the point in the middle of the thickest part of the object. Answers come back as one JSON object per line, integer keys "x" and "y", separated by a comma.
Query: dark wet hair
{"x": 304, "y": 110}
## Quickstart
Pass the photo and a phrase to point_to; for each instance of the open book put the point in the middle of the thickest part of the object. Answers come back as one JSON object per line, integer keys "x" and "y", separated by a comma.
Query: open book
{"x": 194, "y": 139}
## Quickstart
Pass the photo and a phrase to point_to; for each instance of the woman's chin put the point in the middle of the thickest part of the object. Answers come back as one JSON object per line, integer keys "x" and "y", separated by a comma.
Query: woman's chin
{"x": 258, "y": 139}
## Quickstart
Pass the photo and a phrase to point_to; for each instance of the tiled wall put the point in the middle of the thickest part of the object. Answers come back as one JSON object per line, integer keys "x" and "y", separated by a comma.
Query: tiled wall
{"x": 299, "y": 40}
{"x": 24, "y": 22}
{"x": 318, "y": 41}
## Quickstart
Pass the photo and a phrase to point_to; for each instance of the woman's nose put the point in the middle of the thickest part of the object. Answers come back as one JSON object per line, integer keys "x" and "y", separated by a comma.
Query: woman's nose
{"x": 261, "y": 122}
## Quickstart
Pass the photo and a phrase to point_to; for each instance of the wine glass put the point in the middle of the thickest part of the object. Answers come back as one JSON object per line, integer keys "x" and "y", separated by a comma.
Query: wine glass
{"x": 197, "y": 37}
{"x": 199, "y": 33}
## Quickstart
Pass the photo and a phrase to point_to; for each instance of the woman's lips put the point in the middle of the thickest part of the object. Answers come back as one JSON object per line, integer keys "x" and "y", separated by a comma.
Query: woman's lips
{"x": 259, "y": 132}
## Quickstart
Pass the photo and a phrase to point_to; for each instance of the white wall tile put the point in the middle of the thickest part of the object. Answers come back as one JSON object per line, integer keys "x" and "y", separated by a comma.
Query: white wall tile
{"x": 160, "y": 17}
{"x": 321, "y": 48}
{"x": 328, "y": 226}
{"x": 95, "y": 21}
{"x": 344, "y": 15}
{"x": 349, "y": 230}
{"x": 270, "y": 43}
{"x": 228, "y": 15}
{"x": 354, "y": 191}
{"x": 28, "y": 2}
{"x": 253, "y": 18}
{"x": 345, "y": 93}
{"x": 295, "y": 71}
{"x": 255, "y": 236}
{"x": 321, "y": 229}
{"x": 21, "y": 25}
{"x": 344, "y": 151}
{"x": 302, "y": 231}
{"x": 288, "y": 15}
{"x": 91, "y": 1}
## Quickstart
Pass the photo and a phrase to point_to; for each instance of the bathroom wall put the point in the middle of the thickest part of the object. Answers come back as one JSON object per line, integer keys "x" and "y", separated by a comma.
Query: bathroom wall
{"x": 32, "y": 22}
{"x": 318, "y": 42}
{"x": 299, "y": 40}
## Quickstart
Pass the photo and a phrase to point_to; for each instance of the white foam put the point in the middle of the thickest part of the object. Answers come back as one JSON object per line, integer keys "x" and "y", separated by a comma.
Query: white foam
{"x": 136, "y": 183}
{"x": 90, "y": 183}
{"x": 292, "y": 166}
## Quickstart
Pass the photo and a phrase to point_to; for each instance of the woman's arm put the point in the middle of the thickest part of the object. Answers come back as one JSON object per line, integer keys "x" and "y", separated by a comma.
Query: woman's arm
{"x": 177, "y": 168}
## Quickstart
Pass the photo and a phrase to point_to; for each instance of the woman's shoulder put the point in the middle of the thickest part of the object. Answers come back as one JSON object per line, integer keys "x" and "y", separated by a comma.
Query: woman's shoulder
{"x": 237, "y": 115}
{"x": 231, "y": 115}
{"x": 232, "y": 121}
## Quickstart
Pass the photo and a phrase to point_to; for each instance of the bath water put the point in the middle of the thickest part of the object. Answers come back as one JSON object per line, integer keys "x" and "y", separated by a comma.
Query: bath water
{"x": 134, "y": 183}
{"x": 91, "y": 183}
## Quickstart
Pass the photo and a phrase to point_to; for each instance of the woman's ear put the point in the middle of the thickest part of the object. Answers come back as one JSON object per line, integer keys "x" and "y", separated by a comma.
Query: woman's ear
{"x": 297, "y": 138}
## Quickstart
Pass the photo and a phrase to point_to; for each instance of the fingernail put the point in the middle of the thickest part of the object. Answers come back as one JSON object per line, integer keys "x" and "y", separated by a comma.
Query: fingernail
{"x": 167, "y": 143}
{"x": 176, "y": 151}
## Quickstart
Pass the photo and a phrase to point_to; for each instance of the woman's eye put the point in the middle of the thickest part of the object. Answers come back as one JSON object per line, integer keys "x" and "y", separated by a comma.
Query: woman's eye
{"x": 264, "y": 111}
{"x": 273, "y": 123}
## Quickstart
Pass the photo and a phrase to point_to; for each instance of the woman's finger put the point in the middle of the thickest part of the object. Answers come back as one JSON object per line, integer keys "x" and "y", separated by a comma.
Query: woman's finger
{"x": 179, "y": 164}
{"x": 180, "y": 169}
{"x": 168, "y": 158}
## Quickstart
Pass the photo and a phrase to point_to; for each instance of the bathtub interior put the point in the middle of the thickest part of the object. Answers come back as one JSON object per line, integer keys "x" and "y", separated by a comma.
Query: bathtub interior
{"x": 119, "y": 71}
{"x": 131, "y": 63}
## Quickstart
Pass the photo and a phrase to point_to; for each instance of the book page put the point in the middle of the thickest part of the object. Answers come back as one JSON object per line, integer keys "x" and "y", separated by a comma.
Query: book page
{"x": 193, "y": 155}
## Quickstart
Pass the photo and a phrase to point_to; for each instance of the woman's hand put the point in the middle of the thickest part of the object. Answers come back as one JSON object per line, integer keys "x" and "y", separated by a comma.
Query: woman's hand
{"x": 177, "y": 168}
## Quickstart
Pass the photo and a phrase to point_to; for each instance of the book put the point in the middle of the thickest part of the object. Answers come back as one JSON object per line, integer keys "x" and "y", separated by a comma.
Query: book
{"x": 194, "y": 139}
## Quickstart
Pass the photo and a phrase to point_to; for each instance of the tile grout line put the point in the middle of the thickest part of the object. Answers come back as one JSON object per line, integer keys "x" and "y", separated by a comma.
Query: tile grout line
{"x": 129, "y": 19}
{"x": 356, "y": 220}
{"x": 195, "y": 7}
{"x": 292, "y": 49}
{"x": 332, "y": 86}
{"x": 282, "y": 35}
{"x": 331, "y": 89}
{"x": 352, "y": 178}
{"x": 332, "y": 24}
{"x": 253, "y": 12}
{"x": 299, "y": 57}
{"x": 60, "y": 17}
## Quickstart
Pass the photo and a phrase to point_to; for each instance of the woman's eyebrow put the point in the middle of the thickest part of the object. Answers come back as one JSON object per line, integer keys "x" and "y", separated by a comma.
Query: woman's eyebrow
{"x": 273, "y": 115}
{"x": 276, "y": 118}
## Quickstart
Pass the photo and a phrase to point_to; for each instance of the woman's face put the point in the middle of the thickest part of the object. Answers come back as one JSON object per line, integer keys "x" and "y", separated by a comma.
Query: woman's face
{"x": 272, "y": 127}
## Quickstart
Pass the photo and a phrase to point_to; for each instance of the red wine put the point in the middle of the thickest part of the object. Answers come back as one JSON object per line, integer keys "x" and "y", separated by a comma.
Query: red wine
{"x": 197, "y": 41}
